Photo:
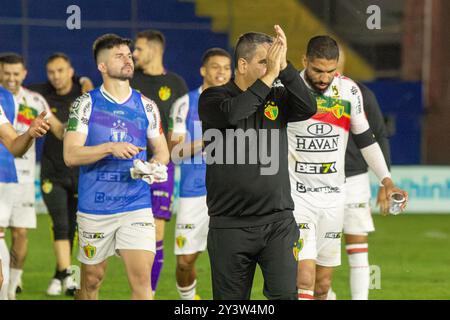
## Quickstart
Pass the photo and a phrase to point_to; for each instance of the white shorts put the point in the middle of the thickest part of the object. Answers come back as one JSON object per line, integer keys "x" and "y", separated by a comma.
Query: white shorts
{"x": 357, "y": 215}
{"x": 320, "y": 232}
{"x": 17, "y": 205}
{"x": 191, "y": 226}
{"x": 101, "y": 236}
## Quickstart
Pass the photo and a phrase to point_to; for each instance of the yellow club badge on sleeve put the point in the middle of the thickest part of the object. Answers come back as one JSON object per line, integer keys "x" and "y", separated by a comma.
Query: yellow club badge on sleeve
{"x": 271, "y": 110}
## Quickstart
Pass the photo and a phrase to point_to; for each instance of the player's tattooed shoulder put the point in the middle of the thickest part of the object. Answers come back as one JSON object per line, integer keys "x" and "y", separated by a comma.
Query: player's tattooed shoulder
{"x": 80, "y": 112}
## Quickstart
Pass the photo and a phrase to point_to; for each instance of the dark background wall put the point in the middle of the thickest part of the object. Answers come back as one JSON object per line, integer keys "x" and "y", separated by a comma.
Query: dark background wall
{"x": 397, "y": 52}
{"x": 38, "y": 28}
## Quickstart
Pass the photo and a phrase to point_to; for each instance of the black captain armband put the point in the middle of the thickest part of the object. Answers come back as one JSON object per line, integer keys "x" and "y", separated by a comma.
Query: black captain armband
{"x": 364, "y": 139}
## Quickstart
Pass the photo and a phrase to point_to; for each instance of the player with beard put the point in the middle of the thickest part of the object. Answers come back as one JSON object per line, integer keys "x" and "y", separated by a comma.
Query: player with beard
{"x": 22, "y": 216}
{"x": 250, "y": 209}
{"x": 164, "y": 87}
{"x": 108, "y": 128}
{"x": 317, "y": 165}
{"x": 358, "y": 220}
{"x": 15, "y": 146}
{"x": 59, "y": 183}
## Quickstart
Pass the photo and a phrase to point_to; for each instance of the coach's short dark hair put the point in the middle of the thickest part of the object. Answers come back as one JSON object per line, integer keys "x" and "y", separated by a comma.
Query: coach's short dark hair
{"x": 247, "y": 43}
{"x": 322, "y": 47}
{"x": 212, "y": 52}
{"x": 108, "y": 41}
{"x": 58, "y": 55}
{"x": 153, "y": 35}
{"x": 12, "y": 58}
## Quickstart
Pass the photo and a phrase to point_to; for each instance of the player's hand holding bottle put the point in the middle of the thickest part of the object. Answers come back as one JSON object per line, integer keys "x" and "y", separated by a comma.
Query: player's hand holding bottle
{"x": 397, "y": 197}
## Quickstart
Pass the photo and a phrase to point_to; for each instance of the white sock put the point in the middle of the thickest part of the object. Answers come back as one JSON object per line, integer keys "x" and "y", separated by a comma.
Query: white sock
{"x": 14, "y": 279}
{"x": 187, "y": 293}
{"x": 4, "y": 255}
{"x": 331, "y": 294}
{"x": 305, "y": 294}
{"x": 358, "y": 259}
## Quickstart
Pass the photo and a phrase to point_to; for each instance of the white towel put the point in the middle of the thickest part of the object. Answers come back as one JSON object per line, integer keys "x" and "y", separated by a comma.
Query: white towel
{"x": 149, "y": 172}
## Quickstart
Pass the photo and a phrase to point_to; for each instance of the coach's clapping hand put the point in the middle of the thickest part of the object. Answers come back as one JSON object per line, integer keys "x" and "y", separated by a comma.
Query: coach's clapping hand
{"x": 39, "y": 126}
{"x": 282, "y": 38}
{"x": 273, "y": 62}
{"x": 124, "y": 150}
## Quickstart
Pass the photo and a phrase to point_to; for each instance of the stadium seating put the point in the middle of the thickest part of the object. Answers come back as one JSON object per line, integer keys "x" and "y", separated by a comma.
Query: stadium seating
{"x": 296, "y": 19}
{"x": 39, "y": 29}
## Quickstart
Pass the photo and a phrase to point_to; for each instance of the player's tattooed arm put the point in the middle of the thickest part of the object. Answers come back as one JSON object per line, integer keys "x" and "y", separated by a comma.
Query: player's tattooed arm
{"x": 79, "y": 115}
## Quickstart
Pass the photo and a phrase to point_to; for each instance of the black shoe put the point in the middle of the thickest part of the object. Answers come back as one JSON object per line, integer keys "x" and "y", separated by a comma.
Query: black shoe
{"x": 19, "y": 289}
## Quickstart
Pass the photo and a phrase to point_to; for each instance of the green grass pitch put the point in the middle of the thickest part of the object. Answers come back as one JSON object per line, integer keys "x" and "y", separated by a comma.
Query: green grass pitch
{"x": 412, "y": 252}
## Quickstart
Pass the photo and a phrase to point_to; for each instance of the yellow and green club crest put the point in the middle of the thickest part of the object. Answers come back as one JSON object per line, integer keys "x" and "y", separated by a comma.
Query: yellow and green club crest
{"x": 338, "y": 110}
{"x": 271, "y": 110}
{"x": 297, "y": 248}
{"x": 89, "y": 251}
{"x": 181, "y": 241}
{"x": 47, "y": 186}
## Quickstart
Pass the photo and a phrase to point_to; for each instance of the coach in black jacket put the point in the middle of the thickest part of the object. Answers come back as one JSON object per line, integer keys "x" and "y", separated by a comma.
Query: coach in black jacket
{"x": 249, "y": 202}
